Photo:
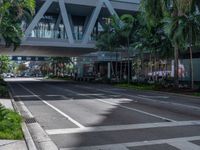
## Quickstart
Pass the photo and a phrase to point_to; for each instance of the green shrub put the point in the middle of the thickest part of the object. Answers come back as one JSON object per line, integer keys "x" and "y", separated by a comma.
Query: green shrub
{"x": 4, "y": 91}
{"x": 2, "y": 82}
{"x": 10, "y": 124}
{"x": 196, "y": 94}
{"x": 137, "y": 86}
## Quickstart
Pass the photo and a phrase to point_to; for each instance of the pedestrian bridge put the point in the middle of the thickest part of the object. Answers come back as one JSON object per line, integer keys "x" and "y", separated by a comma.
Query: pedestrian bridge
{"x": 68, "y": 27}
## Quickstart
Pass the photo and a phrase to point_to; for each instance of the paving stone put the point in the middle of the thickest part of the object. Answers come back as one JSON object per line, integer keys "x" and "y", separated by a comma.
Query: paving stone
{"x": 12, "y": 145}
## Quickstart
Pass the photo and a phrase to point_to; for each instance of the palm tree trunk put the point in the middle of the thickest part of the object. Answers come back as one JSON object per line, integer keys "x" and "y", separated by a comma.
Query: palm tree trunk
{"x": 128, "y": 63}
{"x": 121, "y": 63}
{"x": 191, "y": 69}
{"x": 55, "y": 72}
{"x": 176, "y": 67}
{"x": 191, "y": 58}
{"x": 155, "y": 69}
{"x": 116, "y": 66}
{"x": 151, "y": 69}
{"x": 128, "y": 68}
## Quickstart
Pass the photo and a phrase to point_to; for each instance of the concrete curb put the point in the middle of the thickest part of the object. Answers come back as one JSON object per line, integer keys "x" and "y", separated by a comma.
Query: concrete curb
{"x": 35, "y": 137}
{"x": 27, "y": 136}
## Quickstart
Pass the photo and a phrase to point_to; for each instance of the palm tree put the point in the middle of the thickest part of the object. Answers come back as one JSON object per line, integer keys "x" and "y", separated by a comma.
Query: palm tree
{"x": 152, "y": 12}
{"x": 170, "y": 15}
{"x": 4, "y": 64}
{"x": 123, "y": 29}
{"x": 152, "y": 42}
{"x": 58, "y": 64}
{"x": 149, "y": 36}
{"x": 107, "y": 41}
{"x": 12, "y": 13}
{"x": 183, "y": 26}
{"x": 191, "y": 31}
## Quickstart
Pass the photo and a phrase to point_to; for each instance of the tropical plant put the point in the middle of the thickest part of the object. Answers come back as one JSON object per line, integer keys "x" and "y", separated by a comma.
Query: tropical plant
{"x": 58, "y": 64}
{"x": 21, "y": 68}
{"x": 182, "y": 25}
{"x": 108, "y": 41}
{"x": 4, "y": 64}
{"x": 178, "y": 19}
{"x": 10, "y": 124}
{"x": 12, "y": 13}
{"x": 124, "y": 28}
{"x": 150, "y": 40}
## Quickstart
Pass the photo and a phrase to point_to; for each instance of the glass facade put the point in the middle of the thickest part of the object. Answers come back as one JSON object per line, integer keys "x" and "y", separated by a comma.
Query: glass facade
{"x": 51, "y": 25}
{"x": 78, "y": 32}
{"x": 185, "y": 63}
{"x": 46, "y": 28}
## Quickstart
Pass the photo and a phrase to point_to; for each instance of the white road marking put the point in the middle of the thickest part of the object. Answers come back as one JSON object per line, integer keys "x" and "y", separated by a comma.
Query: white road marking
{"x": 123, "y": 127}
{"x": 39, "y": 135}
{"x": 149, "y": 96}
{"x": 53, "y": 95}
{"x": 125, "y": 107}
{"x": 53, "y": 107}
{"x": 145, "y": 98}
{"x": 88, "y": 94}
{"x": 134, "y": 144}
{"x": 185, "y": 145}
{"x": 140, "y": 111}
{"x": 23, "y": 96}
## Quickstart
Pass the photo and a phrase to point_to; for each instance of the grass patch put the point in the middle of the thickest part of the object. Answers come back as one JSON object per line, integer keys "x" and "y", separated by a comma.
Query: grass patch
{"x": 137, "y": 86}
{"x": 59, "y": 78}
{"x": 10, "y": 124}
{"x": 196, "y": 94}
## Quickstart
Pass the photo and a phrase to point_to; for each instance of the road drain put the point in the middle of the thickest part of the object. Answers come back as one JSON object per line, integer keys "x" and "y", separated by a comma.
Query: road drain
{"x": 30, "y": 120}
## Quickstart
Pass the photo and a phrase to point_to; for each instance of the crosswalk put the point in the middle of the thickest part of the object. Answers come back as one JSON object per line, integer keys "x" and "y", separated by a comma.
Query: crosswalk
{"x": 184, "y": 143}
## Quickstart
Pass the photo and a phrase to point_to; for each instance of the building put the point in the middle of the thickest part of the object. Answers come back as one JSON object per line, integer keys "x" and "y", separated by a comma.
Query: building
{"x": 68, "y": 27}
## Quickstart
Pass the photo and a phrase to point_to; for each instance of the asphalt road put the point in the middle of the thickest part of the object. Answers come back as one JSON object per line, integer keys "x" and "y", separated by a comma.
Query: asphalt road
{"x": 101, "y": 117}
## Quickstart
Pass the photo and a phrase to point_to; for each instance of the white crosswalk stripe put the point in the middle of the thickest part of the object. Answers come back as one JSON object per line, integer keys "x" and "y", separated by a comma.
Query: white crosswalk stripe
{"x": 185, "y": 145}
{"x": 179, "y": 143}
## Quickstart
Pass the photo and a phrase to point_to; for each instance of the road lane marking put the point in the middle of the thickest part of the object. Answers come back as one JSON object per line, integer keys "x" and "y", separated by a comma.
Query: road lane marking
{"x": 185, "y": 145}
{"x": 53, "y": 95}
{"x": 134, "y": 144}
{"x": 145, "y": 98}
{"x": 123, "y": 127}
{"x": 89, "y": 94}
{"x": 53, "y": 107}
{"x": 125, "y": 107}
{"x": 40, "y": 136}
{"x": 137, "y": 110}
{"x": 150, "y": 96}
{"x": 104, "y": 147}
{"x": 23, "y": 96}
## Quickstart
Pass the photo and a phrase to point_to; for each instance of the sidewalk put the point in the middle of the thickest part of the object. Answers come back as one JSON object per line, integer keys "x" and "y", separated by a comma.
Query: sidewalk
{"x": 11, "y": 144}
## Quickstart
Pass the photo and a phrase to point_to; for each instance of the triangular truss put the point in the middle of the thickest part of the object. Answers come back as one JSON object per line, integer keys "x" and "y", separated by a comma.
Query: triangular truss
{"x": 66, "y": 19}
